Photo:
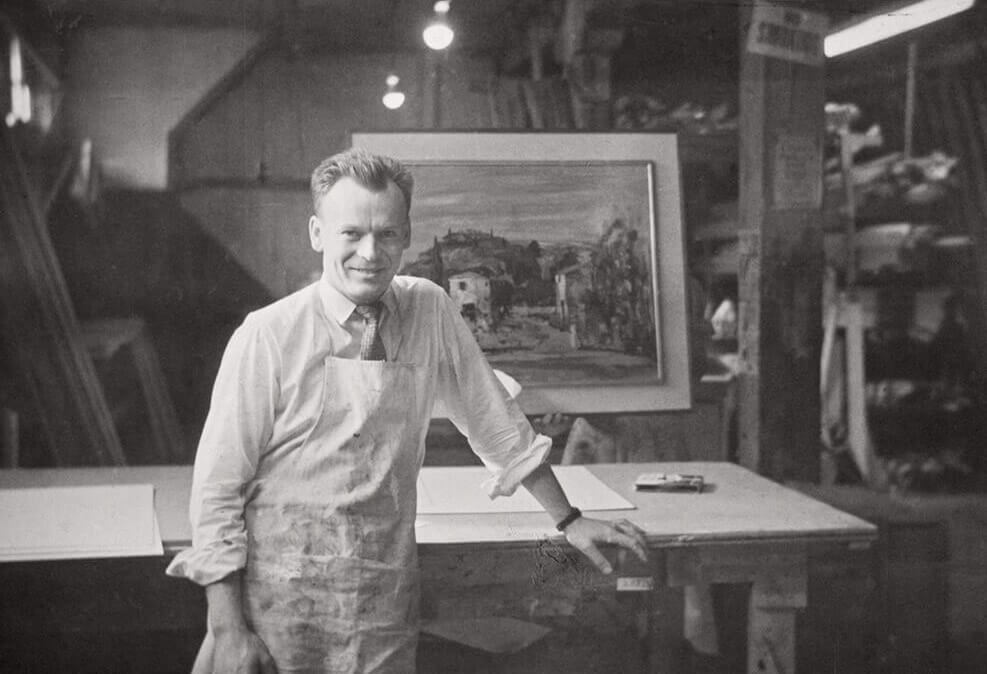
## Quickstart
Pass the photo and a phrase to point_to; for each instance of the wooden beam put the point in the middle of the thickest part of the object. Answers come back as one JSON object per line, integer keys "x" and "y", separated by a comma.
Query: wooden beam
{"x": 572, "y": 29}
{"x": 781, "y": 258}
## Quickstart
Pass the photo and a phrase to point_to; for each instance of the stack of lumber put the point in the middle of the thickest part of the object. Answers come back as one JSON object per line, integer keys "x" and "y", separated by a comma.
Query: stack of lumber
{"x": 39, "y": 329}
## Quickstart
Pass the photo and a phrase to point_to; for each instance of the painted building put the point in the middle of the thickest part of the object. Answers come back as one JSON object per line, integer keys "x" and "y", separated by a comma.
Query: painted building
{"x": 470, "y": 291}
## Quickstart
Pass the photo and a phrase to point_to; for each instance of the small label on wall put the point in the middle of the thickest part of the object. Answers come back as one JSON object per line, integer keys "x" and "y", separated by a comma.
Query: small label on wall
{"x": 788, "y": 34}
{"x": 797, "y": 173}
{"x": 635, "y": 584}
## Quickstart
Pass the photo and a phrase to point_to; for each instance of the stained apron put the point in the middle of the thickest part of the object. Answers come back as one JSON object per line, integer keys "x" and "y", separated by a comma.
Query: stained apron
{"x": 331, "y": 581}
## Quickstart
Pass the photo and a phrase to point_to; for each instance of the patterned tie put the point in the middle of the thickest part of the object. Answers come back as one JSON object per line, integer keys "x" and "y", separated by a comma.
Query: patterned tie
{"x": 372, "y": 346}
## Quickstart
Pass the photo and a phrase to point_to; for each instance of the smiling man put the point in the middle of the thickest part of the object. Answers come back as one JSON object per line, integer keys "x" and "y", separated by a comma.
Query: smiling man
{"x": 304, "y": 490}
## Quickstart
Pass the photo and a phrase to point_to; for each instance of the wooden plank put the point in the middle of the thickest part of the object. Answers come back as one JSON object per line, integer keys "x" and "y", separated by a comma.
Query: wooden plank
{"x": 165, "y": 430}
{"x": 46, "y": 343}
{"x": 781, "y": 263}
{"x": 779, "y": 567}
{"x": 858, "y": 430}
{"x": 103, "y": 338}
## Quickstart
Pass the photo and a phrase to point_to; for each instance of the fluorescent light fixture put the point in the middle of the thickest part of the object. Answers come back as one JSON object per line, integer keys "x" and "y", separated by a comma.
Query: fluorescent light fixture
{"x": 903, "y": 18}
{"x": 20, "y": 92}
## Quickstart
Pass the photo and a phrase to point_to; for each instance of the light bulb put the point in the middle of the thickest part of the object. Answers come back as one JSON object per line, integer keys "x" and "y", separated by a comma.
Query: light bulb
{"x": 392, "y": 99}
{"x": 438, "y": 35}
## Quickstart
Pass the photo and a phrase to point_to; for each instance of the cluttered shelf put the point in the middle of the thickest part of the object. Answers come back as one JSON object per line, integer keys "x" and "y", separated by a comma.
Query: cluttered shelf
{"x": 902, "y": 264}
{"x": 902, "y": 397}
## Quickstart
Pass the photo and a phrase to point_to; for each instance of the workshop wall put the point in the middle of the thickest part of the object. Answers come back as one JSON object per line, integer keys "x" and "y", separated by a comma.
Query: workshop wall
{"x": 127, "y": 86}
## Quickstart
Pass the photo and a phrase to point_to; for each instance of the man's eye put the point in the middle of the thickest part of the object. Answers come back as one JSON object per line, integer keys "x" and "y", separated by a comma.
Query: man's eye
{"x": 389, "y": 234}
{"x": 350, "y": 234}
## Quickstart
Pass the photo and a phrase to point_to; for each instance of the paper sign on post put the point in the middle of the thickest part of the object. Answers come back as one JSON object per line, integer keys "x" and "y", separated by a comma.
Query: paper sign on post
{"x": 788, "y": 34}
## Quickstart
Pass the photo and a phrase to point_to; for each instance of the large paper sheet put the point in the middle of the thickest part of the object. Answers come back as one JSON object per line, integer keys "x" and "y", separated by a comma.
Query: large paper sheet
{"x": 458, "y": 490}
{"x": 78, "y": 522}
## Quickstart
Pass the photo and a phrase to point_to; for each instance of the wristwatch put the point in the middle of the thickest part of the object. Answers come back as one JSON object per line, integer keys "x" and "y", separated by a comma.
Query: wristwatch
{"x": 573, "y": 515}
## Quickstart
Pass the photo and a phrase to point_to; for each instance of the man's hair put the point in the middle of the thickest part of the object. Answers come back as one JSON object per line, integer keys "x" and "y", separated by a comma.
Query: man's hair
{"x": 373, "y": 171}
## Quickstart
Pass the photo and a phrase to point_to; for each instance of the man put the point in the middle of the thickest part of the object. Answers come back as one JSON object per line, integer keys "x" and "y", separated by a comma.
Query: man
{"x": 303, "y": 497}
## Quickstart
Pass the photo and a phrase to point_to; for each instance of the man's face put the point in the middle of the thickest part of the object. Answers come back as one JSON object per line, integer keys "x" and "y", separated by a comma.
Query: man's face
{"x": 361, "y": 235}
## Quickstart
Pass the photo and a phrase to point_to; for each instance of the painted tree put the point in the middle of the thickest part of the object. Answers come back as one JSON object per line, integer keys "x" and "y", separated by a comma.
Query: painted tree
{"x": 621, "y": 293}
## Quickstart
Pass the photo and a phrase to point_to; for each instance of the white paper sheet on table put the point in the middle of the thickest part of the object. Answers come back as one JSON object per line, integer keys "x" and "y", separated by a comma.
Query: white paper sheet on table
{"x": 78, "y": 522}
{"x": 458, "y": 490}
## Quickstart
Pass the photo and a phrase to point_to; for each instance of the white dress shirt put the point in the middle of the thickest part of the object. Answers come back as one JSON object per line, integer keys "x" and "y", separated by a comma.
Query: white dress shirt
{"x": 269, "y": 393}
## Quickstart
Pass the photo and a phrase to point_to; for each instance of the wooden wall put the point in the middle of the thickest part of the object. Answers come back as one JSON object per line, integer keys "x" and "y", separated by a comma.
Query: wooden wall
{"x": 289, "y": 112}
{"x": 264, "y": 229}
{"x": 127, "y": 86}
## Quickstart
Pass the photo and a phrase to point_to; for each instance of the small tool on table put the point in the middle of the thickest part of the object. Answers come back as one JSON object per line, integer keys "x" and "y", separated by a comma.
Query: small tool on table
{"x": 669, "y": 482}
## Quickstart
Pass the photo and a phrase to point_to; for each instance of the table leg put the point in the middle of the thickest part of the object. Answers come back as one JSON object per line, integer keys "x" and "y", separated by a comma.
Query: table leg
{"x": 778, "y": 574}
{"x": 775, "y": 600}
{"x": 665, "y": 632}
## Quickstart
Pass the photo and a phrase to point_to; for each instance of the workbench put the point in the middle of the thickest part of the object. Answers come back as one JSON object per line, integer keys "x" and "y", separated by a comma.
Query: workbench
{"x": 742, "y": 528}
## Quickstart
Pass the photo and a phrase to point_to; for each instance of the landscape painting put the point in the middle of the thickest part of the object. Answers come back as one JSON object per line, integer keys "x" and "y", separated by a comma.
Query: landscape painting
{"x": 551, "y": 264}
{"x": 563, "y": 252}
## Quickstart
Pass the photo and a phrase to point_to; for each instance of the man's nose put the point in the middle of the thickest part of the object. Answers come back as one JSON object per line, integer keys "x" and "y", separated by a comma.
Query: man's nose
{"x": 368, "y": 247}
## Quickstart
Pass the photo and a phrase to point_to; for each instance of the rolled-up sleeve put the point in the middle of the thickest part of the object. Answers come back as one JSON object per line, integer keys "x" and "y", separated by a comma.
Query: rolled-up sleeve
{"x": 237, "y": 428}
{"x": 482, "y": 409}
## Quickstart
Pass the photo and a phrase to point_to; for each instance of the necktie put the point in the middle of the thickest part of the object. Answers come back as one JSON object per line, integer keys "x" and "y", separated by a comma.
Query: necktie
{"x": 372, "y": 346}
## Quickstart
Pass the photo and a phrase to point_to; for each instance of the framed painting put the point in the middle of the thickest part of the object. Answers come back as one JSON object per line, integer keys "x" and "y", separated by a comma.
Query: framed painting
{"x": 564, "y": 254}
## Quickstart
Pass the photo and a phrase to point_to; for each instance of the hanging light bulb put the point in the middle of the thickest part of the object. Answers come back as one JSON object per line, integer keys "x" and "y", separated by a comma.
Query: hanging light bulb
{"x": 438, "y": 35}
{"x": 393, "y": 98}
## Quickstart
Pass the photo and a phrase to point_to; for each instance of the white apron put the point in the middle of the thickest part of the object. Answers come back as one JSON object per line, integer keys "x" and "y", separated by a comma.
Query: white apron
{"x": 331, "y": 582}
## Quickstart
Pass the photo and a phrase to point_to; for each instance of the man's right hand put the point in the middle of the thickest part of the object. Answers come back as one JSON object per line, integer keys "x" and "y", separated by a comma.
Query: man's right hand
{"x": 240, "y": 651}
{"x": 236, "y": 648}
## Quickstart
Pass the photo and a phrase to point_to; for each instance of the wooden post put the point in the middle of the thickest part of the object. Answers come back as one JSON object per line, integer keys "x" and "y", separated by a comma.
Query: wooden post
{"x": 781, "y": 254}
{"x": 910, "y": 97}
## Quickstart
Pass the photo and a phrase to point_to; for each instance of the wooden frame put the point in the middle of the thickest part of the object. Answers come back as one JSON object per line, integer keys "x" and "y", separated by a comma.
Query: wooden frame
{"x": 637, "y": 177}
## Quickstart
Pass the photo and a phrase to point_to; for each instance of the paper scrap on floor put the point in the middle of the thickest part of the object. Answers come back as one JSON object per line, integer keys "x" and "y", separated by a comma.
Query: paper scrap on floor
{"x": 78, "y": 522}
{"x": 458, "y": 490}
{"x": 499, "y": 635}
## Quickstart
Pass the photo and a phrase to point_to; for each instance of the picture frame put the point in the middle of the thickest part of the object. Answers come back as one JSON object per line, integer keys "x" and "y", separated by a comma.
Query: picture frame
{"x": 565, "y": 254}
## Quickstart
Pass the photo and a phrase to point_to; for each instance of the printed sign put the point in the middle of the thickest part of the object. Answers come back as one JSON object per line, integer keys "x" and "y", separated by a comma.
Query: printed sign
{"x": 786, "y": 33}
{"x": 797, "y": 172}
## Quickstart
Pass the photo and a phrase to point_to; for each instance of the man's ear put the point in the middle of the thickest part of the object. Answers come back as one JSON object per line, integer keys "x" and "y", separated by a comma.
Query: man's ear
{"x": 315, "y": 233}
{"x": 407, "y": 236}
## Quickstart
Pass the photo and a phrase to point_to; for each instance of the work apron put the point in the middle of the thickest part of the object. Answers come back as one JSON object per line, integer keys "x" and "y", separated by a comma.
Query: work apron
{"x": 331, "y": 581}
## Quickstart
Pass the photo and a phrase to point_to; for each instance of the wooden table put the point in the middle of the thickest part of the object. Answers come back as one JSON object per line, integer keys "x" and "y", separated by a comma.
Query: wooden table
{"x": 742, "y": 529}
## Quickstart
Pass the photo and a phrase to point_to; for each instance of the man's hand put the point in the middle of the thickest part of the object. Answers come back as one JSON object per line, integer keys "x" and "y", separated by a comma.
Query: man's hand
{"x": 552, "y": 425}
{"x": 235, "y": 648}
{"x": 240, "y": 651}
{"x": 585, "y": 534}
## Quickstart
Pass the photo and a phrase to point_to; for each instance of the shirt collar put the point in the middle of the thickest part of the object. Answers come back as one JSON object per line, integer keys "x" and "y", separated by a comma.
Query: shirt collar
{"x": 340, "y": 308}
